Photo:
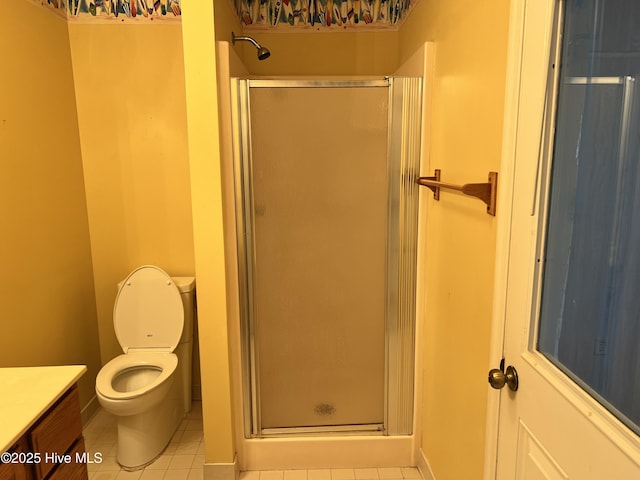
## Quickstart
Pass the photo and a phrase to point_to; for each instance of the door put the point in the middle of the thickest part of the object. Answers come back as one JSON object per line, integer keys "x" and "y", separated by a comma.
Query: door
{"x": 327, "y": 218}
{"x": 571, "y": 272}
{"x": 319, "y": 195}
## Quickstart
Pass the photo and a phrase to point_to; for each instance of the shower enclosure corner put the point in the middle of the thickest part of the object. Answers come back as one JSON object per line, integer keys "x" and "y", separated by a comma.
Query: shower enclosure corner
{"x": 326, "y": 216}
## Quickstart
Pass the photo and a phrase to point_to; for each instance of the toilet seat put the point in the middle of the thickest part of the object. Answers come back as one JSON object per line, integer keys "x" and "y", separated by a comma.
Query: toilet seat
{"x": 167, "y": 362}
{"x": 148, "y": 313}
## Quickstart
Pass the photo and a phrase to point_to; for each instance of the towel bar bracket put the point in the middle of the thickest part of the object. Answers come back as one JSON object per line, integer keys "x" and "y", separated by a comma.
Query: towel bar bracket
{"x": 484, "y": 191}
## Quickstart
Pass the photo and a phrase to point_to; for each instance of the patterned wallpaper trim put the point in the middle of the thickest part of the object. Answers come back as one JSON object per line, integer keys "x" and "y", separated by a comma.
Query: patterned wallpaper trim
{"x": 110, "y": 11}
{"x": 322, "y": 14}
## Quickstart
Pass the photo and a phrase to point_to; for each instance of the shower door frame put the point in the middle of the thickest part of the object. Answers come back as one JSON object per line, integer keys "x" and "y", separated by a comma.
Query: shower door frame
{"x": 403, "y": 163}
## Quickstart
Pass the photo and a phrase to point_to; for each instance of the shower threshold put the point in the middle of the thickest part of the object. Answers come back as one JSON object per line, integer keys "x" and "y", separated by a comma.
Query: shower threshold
{"x": 364, "y": 429}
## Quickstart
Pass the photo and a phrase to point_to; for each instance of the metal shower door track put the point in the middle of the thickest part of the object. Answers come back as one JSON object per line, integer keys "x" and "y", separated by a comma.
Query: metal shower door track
{"x": 307, "y": 83}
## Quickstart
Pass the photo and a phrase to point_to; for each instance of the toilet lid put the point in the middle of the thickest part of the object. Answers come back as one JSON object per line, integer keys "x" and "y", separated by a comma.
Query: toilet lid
{"x": 148, "y": 312}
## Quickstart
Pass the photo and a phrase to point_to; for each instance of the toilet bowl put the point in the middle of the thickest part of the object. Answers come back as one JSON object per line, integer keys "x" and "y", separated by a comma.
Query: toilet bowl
{"x": 134, "y": 382}
{"x": 145, "y": 386}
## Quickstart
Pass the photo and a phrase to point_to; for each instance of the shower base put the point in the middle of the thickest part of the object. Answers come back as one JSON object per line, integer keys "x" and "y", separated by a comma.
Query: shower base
{"x": 327, "y": 452}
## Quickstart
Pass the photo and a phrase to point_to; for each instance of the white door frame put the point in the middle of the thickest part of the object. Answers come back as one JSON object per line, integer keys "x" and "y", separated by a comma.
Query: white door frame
{"x": 503, "y": 233}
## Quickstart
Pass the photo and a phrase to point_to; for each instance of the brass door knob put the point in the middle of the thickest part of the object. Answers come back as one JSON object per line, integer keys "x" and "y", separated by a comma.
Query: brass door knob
{"x": 498, "y": 379}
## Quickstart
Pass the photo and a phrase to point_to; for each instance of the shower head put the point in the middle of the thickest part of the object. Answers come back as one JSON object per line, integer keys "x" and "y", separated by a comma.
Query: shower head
{"x": 263, "y": 52}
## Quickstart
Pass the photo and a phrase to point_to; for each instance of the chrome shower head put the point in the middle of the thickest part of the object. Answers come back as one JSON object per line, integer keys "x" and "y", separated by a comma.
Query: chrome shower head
{"x": 263, "y": 52}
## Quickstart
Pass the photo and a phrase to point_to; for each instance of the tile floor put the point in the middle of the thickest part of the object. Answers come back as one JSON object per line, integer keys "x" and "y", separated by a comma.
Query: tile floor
{"x": 183, "y": 459}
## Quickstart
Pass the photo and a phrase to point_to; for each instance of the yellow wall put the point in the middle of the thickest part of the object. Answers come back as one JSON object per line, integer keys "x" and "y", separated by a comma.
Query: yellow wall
{"x": 46, "y": 287}
{"x": 131, "y": 109}
{"x": 470, "y": 42}
{"x": 340, "y": 53}
{"x": 226, "y": 21}
{"x": 335, "y": 53}
{"x": 206, "y": 191}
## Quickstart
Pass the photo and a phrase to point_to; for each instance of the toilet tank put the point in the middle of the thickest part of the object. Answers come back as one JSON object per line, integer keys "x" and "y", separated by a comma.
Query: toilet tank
{"x": 187, "y": 287}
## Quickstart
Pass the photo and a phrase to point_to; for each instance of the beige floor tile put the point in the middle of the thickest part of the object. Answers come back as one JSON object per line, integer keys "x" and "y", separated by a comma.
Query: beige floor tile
{"x": 319, "y": 474}
{"x": 180, "y": 474}
{"x": 108, "y": 464}
{"x": 104, "y": 449}
{"x": 104, "y": 475}
{"x": 196, "y": 474}
{"x": 250, "y": 475}
{"x": 181, "y": 461}
{"x": 198, "y": 462}
{"x": 190, "y": 436}
{"x": 366, "y": 473}
{"x": 124, "y": 475}
{"x": 410, "y": 472}
{"x": 271, "y": 475}
{"x": 342, "y": 474}
{"x": 388, "y": 473}
{"x": 152, "y": 475}
{"x": 171, "y": 449}
{"x": 194, "y": 424}
{"x": 187, "y": 448}
{"x": 295, "y": 475}
{"x": 161, "y": 463}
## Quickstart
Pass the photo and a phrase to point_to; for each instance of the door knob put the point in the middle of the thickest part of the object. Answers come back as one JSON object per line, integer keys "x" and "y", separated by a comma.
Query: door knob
{"x": 498, "y": 378}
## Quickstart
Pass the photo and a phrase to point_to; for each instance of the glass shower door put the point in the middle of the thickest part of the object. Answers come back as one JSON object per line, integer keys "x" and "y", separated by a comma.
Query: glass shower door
{"x": 327, "y": 215}
{"x": 319, "y": 182}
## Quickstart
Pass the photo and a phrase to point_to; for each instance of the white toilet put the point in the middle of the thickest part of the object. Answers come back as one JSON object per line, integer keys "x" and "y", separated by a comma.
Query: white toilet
{"x": 148, "y": 388}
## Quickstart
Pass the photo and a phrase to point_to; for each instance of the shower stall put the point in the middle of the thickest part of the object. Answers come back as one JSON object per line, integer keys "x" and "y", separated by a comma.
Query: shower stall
{"x": 326, "y": 218}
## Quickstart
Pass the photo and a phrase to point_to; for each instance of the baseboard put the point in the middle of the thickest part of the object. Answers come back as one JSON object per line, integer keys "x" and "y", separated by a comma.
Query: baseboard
{"x": 424, "y": 467}
{"x": 222, "y": 471}
{"x": 89, "y": 410}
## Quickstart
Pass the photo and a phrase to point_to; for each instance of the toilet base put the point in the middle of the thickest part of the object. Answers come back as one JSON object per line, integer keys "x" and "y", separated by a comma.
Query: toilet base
{"x": 143, "y": 437}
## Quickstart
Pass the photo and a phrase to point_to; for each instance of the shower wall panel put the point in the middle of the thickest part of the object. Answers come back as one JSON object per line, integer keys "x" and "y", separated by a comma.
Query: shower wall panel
{"x": 319, "y": 205}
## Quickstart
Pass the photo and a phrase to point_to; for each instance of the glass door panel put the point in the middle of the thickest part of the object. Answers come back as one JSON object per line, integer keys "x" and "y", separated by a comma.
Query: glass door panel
{"x": 590, "y": 310}
{"x": 319, "y": 182}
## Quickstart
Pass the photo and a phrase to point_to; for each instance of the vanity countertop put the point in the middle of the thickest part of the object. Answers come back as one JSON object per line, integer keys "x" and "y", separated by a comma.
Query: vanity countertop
{"x": 28, "y": 392}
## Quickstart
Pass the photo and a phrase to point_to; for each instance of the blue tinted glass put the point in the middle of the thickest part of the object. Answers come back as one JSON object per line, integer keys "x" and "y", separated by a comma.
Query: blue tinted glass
{"x": 590, "y": 313}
